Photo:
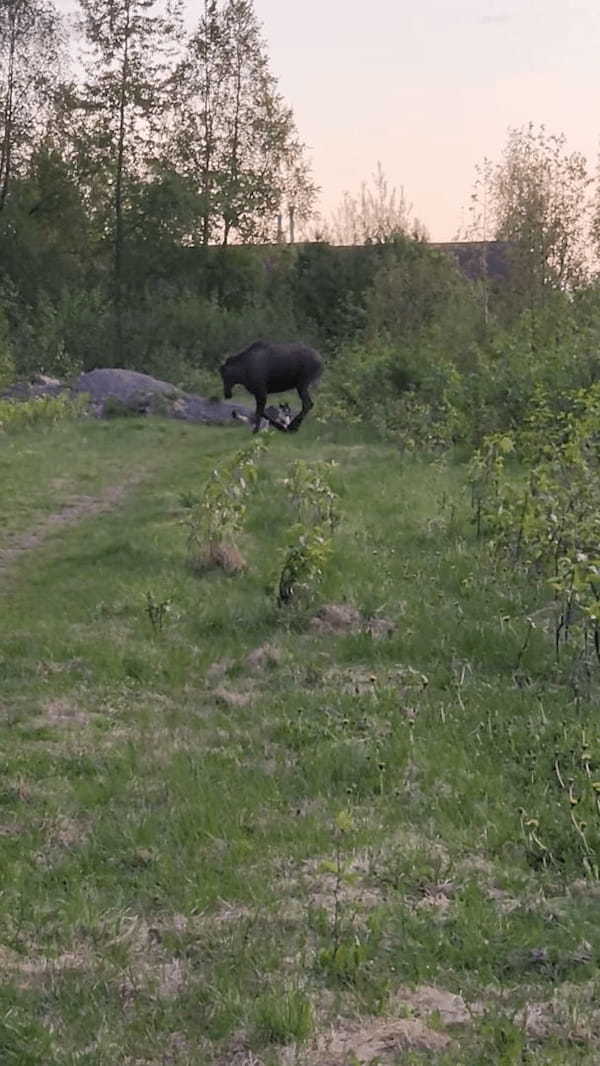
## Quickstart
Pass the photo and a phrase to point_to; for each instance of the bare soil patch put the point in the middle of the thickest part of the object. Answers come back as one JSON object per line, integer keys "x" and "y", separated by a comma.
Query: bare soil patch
{"x": 34, "y": 970}
{"x": 379, "y": 1040}
{"x": 361, "y": 681}
{"x": 228, "y": 697}
{"x": 264, "y": 657}
{"x": 219, "y": 556}
{"x": 76, "y": 510}
{"x": 337, "y": 619}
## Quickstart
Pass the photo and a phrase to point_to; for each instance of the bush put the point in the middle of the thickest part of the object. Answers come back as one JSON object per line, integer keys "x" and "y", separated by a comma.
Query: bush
{"x": 47, "y": 410}
{"x": 217, "y": 518}
{"x": 7, "y": 366}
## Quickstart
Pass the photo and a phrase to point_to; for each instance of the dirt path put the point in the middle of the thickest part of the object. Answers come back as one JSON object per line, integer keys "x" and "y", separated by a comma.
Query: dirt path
{"x": 78, "y": 508}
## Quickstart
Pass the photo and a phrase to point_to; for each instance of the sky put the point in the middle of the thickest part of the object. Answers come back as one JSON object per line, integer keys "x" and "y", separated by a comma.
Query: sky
{"x": 428, "y": 88}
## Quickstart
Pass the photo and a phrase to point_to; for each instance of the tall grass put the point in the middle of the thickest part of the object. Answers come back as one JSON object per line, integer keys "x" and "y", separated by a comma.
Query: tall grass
{"x": 207, "y": 856}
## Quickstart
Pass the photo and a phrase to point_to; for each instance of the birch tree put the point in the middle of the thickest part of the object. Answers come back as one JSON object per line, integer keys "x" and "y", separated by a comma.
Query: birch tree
{"x": 537, "y": 198}
{"x": 129, "y": 63}
{"x": 31, "y": 59}
{"x": 236, "y": 136}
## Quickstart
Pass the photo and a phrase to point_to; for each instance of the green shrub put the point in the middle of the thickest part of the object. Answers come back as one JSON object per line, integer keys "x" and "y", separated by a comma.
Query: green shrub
{"x": 20, "y": 414}
{"x": 7, "y": 365}
{"x": 311, "y": 544}
{"x": 217, "y": 517}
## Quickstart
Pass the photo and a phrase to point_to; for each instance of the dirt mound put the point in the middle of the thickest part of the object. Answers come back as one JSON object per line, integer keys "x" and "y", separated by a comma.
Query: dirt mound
{"x": 339, "y": 618}
{"x": 380, "y": 1041}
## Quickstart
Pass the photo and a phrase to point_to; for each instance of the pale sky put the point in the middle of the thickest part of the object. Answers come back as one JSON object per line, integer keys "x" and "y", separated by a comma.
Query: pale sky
{"x": 429, "y": 87}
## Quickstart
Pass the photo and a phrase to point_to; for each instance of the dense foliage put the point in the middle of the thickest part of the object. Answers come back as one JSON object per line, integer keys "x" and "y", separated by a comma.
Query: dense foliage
{"x": 143, "y": 204}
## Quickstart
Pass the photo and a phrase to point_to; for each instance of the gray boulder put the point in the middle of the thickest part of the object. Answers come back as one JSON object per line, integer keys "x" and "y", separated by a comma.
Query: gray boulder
{"x": 143, "y": 394}
{"x": 116, "y": 392}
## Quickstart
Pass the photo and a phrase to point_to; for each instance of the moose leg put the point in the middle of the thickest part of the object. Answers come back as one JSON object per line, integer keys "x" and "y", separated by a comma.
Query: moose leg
{"x": 307, "y": 403}
{"x": 261, "y": 399}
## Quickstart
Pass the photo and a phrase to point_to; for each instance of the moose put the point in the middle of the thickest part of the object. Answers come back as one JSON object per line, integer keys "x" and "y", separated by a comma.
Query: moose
{"x": 264, "y": 367}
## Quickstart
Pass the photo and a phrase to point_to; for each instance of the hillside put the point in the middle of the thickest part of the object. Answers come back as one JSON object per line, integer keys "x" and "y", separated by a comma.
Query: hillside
{"x": 327, "y": 851}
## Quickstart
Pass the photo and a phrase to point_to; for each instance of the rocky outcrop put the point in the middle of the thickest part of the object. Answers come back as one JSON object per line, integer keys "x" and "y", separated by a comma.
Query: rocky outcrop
{"x": 143, "y": 394}
{"x": 114, "y": 392}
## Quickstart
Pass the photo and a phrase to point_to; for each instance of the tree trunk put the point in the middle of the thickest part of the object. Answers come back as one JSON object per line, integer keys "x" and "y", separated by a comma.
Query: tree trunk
{"x": 6, "y": 151}
{"x": 235, "y": 144}
{"x": 118, "y": 239}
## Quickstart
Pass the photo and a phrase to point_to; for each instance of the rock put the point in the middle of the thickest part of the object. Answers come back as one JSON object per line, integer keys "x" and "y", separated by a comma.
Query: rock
{"x": 191, "y": 408}
{"x": 114, "y": 392}
{"x": 144, "y": 394}
{"x": 44, "y": 379}
{"x": 124, "y": 385}
{"x": 40, "y": 385}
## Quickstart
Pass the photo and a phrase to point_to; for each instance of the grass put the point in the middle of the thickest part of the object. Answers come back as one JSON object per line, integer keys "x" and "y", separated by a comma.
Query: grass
{"x": 203, "y": 860}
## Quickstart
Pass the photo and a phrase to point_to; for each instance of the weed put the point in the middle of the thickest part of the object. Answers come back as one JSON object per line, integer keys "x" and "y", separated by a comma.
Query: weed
{"x": 311, "y": 539}
{"x": 548, "y": 522}
{"x": 303, "y": 565}
{"x": 157, "y": 611}
{"x": 217, "y": 518}
{"x": 344, "y": 964}
{"x": 283, "y": 1017}
{"x": 311, "y": 494}
{"x": 43, "y": 410}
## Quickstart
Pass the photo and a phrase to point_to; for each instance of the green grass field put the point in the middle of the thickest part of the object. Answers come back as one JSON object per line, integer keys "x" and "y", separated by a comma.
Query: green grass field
{"x": 351, "y": 851}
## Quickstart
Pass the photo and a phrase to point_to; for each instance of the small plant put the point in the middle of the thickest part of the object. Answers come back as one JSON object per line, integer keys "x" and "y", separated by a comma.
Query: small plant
{"x": 548, "y": 522}
{"x": 344, "y": 964}
{"x": 42, "y": 410}
{"x": 485, "y": 476}
{"x": 304, "y": 564}
{"x": 157, "y": 611}
{"x": 311, "y": 493}
{"x": 284, "y": 1017}
{"x": 566, "y": 828}
{"x": 217, "y": 517}
{"x": 344, "y": 958}
{"x": 311, "y": 538}
{"x": 188, "y": 500}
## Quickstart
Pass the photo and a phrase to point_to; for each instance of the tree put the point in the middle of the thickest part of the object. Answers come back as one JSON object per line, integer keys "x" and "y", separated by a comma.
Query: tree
{"x": 31, "y": 57}
{"x": 235, "y": 135}
{"x": 130, "y": 53}
{"x": 377, "y": 215}
{"x": 537, "y": 199}
{"x": 595, "y": 225}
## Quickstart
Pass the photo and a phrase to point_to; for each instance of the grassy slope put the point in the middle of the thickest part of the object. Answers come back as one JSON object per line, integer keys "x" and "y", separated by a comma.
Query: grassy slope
{"x": 172, "y": 872}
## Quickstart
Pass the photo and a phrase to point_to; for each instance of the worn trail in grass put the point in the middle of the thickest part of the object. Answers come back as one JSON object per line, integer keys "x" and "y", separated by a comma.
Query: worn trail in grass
{"x": 339, "y": 847}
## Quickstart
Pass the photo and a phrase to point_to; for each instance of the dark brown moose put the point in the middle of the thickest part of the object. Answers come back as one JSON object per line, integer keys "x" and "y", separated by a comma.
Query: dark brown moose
{"x": 263, "y": 368}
